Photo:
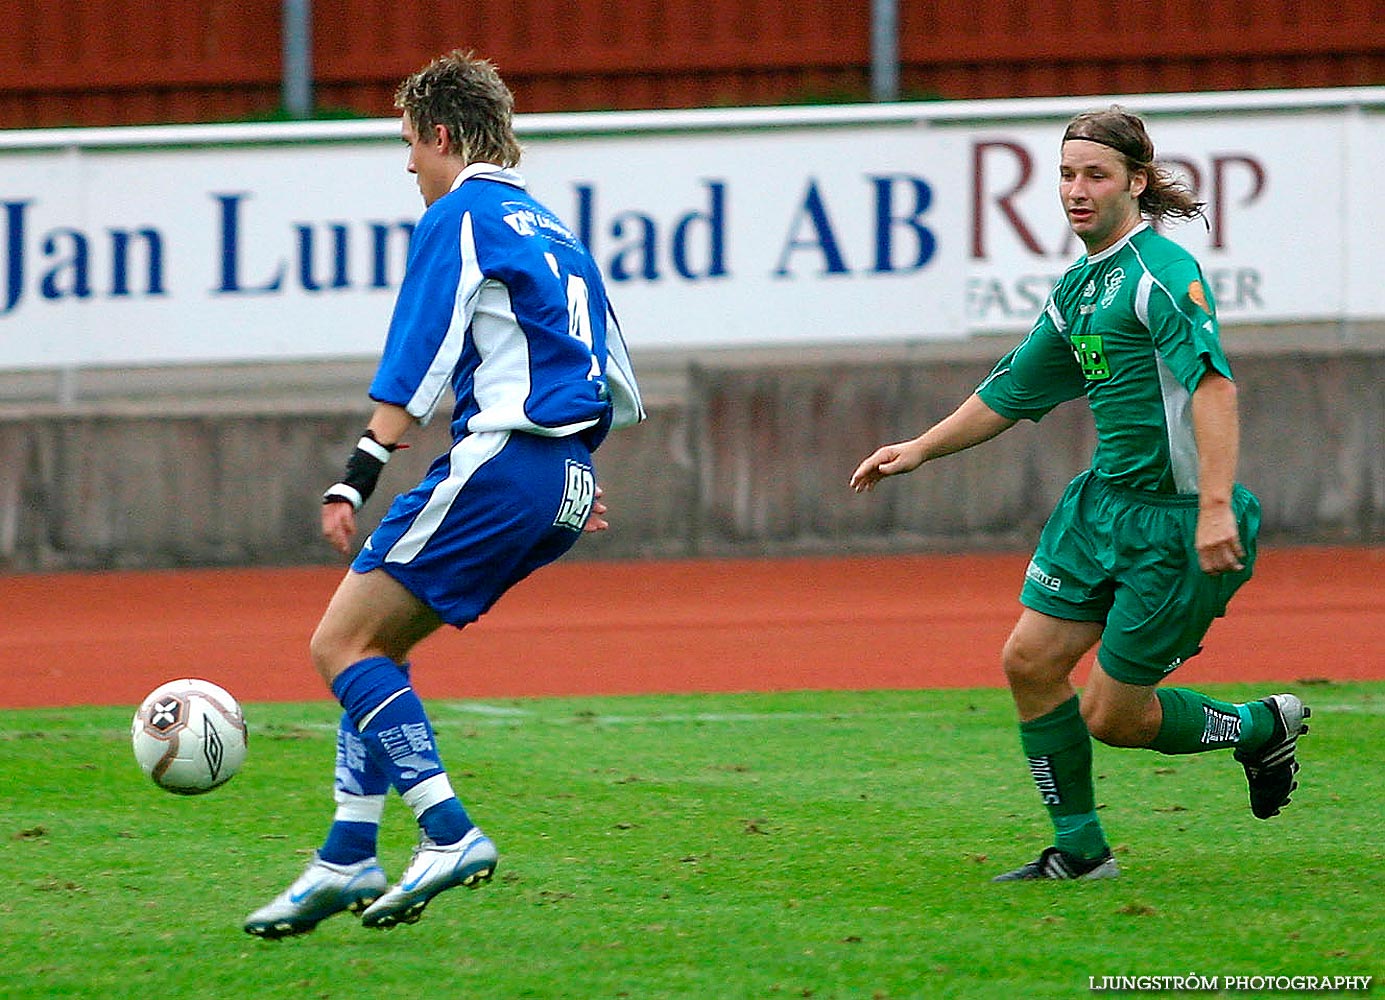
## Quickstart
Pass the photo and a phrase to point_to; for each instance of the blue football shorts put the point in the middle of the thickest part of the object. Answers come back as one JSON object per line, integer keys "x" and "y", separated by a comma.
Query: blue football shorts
{"x": 489, "y": 512}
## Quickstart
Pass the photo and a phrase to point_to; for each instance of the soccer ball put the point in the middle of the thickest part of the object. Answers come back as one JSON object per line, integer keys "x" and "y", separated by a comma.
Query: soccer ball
{"x": 189, "y": 736}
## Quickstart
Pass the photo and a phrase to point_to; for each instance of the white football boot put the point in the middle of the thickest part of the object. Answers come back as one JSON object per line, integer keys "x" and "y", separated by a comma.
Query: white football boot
{"x": 435, "y": 867}
{"x": 322, "y": 890}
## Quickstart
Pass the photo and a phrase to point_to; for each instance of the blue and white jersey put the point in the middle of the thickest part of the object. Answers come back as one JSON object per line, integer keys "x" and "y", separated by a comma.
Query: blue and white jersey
{"x": 503, "y": 303}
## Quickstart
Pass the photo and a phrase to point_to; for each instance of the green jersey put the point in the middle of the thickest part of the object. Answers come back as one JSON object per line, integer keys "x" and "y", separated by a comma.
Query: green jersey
{"x": 1134, "y": 329}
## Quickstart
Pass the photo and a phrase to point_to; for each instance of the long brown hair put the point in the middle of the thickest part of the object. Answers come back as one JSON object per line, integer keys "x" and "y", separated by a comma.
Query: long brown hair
{"x": 1165, "y": 195}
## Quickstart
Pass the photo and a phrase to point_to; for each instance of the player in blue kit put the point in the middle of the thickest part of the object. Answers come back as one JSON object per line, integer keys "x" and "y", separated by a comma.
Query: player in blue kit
{"x": 503, "y": 305}
{"x": 1144, "y": 549}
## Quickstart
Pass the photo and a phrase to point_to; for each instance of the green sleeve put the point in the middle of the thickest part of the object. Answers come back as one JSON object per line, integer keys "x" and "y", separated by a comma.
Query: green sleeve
{"x": 1036, "y": 376}
{"x": 1182, "y": 321}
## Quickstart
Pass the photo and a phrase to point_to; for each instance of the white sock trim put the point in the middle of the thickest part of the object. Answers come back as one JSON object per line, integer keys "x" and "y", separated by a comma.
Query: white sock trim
{"x": 359, "y": 808}
{"x": 428, "y": 793}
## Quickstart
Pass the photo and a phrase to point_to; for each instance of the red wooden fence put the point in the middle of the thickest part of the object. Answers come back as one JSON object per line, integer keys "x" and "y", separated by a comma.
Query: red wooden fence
{"x": 98, "y": 62}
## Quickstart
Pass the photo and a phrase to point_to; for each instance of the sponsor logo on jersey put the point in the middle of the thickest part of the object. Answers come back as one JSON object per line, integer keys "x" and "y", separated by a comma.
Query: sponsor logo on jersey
{"x": 1113, "y": 285}
{"x": 1090, "y": 352}
{"x": 526, "y": 220}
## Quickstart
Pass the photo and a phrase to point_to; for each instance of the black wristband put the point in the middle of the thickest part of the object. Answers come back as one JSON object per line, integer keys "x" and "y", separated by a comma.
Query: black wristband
{"x": 362, "y": 472}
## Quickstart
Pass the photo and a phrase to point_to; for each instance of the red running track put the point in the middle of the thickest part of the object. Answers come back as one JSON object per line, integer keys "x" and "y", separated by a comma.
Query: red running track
{"x": 580, "y": 628}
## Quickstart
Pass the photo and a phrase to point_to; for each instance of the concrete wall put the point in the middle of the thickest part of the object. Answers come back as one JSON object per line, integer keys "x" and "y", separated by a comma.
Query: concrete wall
{"x": 773, "y": 447}
{"x": 744, "y": 454}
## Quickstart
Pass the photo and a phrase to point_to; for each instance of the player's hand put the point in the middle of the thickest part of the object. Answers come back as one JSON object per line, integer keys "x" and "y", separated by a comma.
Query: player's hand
{"x": 338, "y": 525}
{"x": 891, "y": 460}
{"x": 1219, "y": 548}
{"x": 596, "y": 520}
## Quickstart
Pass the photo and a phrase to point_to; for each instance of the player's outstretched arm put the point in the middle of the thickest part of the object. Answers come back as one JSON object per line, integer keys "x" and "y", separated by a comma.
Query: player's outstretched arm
{"x": 887, "y": 460}
{"x": 970, "y": 424}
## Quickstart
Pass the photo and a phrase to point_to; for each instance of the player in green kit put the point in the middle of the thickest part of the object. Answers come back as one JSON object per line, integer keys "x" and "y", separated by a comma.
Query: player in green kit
{"x": 1146, "y": 547}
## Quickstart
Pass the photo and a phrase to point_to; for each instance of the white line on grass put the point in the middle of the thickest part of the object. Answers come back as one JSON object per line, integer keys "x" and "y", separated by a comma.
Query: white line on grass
{"x": 448, "y": 718}
{"x": 688, "y": 718}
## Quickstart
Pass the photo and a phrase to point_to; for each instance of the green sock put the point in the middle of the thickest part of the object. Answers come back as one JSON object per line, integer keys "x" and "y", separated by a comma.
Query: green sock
{"x": 1193, "y": 722}
{"x": 1059, "y": 749}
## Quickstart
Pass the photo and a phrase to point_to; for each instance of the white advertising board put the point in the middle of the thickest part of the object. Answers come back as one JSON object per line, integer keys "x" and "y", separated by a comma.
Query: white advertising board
{"x": 119, "y": 256}
{"x": 1274, "y": 244}
{"x": 763, "y": 237}
{"x": 767, "y": 226}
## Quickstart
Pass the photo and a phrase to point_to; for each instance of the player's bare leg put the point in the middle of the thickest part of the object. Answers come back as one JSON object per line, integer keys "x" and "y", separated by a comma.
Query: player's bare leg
{"x": 1120, "y": 714}
{"x": 1039, "y": 658}
{"x": 1177, "y": 720}
{"x": 371, "y": 614}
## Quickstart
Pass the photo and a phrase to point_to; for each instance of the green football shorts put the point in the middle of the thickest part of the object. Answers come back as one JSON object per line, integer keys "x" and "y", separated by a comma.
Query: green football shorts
{"x": 1127, "y": 558}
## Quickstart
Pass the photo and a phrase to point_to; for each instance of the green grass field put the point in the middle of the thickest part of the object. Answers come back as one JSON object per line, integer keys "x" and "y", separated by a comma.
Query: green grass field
{"x": 791, "y": 845}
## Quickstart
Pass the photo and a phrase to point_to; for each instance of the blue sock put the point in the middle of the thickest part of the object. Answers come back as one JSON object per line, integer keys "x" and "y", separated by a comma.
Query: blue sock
{"x": 359, "y": 787}
{"x": 347, "y": 842}
{"x": 446, "y": 822}
{"x": 396, "y": 733}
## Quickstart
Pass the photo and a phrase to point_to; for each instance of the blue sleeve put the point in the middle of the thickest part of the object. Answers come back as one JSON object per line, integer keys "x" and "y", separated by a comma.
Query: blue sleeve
{"x": 426, "y": 328}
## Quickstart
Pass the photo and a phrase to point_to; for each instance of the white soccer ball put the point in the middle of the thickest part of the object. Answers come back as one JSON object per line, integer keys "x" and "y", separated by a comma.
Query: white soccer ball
{"x": 189, "y": 736}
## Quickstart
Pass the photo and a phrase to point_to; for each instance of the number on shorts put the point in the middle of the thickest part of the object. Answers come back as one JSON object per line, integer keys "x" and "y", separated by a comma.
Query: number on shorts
{"x": 578, "y": 495}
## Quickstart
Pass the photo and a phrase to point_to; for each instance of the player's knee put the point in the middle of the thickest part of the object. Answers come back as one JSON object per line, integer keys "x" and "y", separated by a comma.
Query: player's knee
{"x": 1115, "y": 727}
{"x": 327, "y": 653}
{"x": 1102, "y": 724}
{"x": 333, "y": 649}
{"x": 1028, "y": 665}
